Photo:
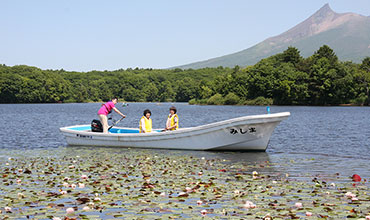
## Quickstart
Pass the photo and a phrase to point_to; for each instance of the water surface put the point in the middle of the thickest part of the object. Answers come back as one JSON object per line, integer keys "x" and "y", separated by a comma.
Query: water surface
{"x": 316, "y": 140}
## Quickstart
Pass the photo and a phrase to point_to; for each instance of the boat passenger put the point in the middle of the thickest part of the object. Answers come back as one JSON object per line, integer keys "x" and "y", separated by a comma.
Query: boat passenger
{"x": 105, "y": 109}
{"x": 172, "y": 120}
{"x": 145, "y": 124}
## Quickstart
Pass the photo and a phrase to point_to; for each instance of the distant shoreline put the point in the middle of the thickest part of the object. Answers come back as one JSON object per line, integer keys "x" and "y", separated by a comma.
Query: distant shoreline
{"x": 120, "y": 104}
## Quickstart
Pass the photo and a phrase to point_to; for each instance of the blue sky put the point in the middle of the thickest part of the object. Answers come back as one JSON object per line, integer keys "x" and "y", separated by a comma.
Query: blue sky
{"x": 84, "y": 35}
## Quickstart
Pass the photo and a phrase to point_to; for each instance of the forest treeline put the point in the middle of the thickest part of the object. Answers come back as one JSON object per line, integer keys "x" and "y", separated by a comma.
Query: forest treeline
{"x": 283, "y": 79}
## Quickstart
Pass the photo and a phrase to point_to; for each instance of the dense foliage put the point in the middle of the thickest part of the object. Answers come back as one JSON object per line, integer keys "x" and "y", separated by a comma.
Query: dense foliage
{"x": 284, "y": 79}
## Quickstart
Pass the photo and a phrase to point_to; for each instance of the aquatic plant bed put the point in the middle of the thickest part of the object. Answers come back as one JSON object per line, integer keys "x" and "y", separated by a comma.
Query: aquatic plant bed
{"x": 108, "y": 183}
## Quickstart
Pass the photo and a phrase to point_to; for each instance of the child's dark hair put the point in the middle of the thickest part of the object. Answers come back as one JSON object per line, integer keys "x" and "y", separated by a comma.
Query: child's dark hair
{"x": 147, "y": 111}
{"x": 173, "y": 108}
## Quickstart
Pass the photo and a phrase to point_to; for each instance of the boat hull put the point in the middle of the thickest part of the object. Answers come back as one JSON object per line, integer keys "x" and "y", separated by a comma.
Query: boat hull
{"x": 243, "y": 133}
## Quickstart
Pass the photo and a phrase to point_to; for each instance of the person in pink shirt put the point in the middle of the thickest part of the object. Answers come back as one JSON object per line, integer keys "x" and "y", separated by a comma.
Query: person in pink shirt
{"x": 105, "y": 110}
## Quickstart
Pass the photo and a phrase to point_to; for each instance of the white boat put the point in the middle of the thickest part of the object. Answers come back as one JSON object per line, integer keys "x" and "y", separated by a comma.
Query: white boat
{"x": 243, "y": 133}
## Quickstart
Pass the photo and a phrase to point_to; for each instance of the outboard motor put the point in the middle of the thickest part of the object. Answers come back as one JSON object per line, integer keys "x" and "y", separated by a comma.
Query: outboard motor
{"x": 96, "y": 126}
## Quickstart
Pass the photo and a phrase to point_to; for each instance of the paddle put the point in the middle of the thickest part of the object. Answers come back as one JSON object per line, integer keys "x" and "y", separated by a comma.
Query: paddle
{"x": 115, "y": 123}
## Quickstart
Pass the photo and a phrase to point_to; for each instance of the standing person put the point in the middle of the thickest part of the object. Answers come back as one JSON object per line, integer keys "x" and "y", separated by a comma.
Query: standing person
{"x": 105, "y": 110}
{"x": 145, "y": 124}
{"x": 172, "y": 120}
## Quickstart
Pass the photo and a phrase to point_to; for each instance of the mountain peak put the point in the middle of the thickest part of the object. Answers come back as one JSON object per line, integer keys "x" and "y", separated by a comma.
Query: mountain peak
{"x": 325, "y": 9}
{"x": 322, "y": 20}
{"x": 324, "y": 13}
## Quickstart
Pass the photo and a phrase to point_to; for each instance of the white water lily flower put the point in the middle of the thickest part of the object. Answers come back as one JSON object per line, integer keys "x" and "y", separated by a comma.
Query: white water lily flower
{"x": 8, "y": 209}
{"x": 249, "y": 205}
{"x": 298, "y": 205}
{"x": 350, "y": 195}
{"x": 21, "y": 195}
{"x": 86, "y": 208}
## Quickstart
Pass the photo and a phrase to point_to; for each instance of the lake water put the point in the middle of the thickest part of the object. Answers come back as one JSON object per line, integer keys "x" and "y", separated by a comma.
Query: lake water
{"x": 316, "y": 140}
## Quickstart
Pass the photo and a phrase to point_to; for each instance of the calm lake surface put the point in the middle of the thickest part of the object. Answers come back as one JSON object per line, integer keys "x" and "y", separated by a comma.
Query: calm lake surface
{"x": 316, "y": 140}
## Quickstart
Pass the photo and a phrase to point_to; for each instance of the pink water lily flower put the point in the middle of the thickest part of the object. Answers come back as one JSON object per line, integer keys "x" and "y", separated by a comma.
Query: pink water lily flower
{"x": 84, "y": 177}
{"x": 70, "y": 210}
{"x": 298, "y": 205}
{"x": 203, "y": 212}
{"x": 367, "y": 217}
{"x": 188, "y": 189}
{"x": 7, "y": 209}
